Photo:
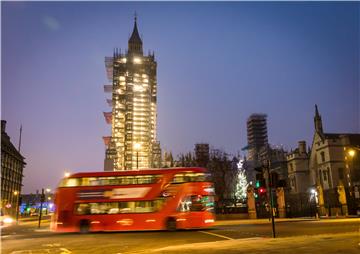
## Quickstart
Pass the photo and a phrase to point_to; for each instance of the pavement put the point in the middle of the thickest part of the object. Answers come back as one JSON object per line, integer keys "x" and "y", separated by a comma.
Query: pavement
{"x": 280, "y": 220}
{"x": 296, "y": 235}
{"x": 348, "y": 243}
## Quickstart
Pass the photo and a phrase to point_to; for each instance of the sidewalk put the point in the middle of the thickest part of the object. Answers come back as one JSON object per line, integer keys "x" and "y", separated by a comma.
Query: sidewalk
{"x": 35, "y": 218}
{"x": 279, "y": 220}
{"x": 348, "y": 243}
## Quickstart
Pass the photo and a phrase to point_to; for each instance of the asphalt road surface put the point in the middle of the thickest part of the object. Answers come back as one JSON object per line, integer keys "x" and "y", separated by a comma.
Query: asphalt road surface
{"x": 27, "y": 238}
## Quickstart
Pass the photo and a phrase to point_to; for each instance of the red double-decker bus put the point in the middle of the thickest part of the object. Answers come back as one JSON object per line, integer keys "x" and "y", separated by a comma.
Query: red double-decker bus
{"x": 154, "y": 199}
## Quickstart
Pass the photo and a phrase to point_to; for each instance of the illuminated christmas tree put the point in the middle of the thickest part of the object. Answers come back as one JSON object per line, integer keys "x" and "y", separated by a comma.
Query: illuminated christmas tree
{"x": 242, "y": 184}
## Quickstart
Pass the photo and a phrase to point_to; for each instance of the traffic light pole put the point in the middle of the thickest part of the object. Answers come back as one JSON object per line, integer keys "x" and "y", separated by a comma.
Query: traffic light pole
{"x": 42, "y": 199}
{"x": 271, "y": 198}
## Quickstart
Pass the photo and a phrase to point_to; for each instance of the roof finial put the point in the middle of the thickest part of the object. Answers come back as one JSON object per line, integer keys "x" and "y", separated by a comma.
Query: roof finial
{"x": 135, "y": 16}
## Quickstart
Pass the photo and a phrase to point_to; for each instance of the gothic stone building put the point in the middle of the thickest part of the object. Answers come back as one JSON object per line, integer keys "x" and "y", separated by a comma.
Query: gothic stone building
{"x": 331, "y": 167}
{"x": 298, "y": 169}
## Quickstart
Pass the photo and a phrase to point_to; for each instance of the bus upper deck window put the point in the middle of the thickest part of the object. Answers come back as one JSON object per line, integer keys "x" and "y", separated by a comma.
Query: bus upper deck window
{"x": 89, "y": 181}
{"x": 70, "y": 182}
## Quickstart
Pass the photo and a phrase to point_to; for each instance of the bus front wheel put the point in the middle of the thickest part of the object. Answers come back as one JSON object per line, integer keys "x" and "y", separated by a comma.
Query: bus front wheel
{"x": 171, "y": 224}
{"x": 84, "y": 226}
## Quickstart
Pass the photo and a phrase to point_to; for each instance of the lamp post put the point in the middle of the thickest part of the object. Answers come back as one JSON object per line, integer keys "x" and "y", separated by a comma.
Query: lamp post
{"x": 48, "y": 190}
{"x": 16, "y": 194}
{"x": 137, "y": 147}
{"x": 353, "y": 152}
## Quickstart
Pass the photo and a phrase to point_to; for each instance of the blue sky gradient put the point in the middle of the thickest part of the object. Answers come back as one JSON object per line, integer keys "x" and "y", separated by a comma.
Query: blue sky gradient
{"x": 218, "y": 62}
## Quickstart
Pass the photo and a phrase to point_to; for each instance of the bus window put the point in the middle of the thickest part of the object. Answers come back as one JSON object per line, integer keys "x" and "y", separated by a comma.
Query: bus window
{"x": 126, "y": 207}
{"x": 69, "y": 182}
{"x": 143, "y": 207}
{"x": 191, "y": 177}
{"x": 119, "y": 207}
{"x": 105, "y": 180}
{"x": 83, "y": 209}
{"x": 179, "y": 178}
{"x": 128, "y": 180}
{"x": 196, "y": 203}
{"x": 90, "y": 181}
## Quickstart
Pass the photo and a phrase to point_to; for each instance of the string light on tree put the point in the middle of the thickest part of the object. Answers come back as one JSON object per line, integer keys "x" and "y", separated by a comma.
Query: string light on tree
{"x": 242, "y": 183}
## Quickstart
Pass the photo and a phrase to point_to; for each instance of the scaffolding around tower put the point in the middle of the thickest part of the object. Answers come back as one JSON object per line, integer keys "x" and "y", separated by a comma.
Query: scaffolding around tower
{"x": 133, "y": 116}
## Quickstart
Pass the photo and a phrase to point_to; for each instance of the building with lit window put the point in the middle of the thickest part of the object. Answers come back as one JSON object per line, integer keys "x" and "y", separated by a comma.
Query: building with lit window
{"x": 12, "y": 166}
{"x": 257, "y": 135}
{"x": 330, "y": 160}
{"x": 133, "y": 143}
{"x": 257, "y": 140}
{"x": 334, "y": 163}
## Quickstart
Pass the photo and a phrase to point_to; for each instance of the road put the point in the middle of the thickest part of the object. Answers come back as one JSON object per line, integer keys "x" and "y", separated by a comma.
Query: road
{"x": 26, "y": 238}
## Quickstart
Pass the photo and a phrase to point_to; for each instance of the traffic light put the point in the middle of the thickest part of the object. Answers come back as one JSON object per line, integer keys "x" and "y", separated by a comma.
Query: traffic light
{"x": 262, "y": 190}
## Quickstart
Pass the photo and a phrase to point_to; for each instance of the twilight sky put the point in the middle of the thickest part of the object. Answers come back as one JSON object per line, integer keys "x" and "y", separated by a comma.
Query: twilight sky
{"x": 217, "y": 64}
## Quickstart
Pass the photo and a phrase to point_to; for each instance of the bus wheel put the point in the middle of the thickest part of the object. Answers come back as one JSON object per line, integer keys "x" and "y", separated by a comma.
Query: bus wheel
{"x": 171, "y": 224}
{"x": 84, "y": 226}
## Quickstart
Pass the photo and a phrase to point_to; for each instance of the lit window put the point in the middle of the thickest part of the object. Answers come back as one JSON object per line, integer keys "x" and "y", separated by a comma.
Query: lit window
{"x": 137, "y": 60}
{"x": 138, "y": 88}
{"x": 123, "y": 60}
{"x": 122, "y": 78}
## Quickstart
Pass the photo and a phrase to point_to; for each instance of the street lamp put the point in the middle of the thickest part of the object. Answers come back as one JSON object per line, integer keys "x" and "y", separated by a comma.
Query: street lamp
{"x": 352, "y": 153}
{"x": 137, "y": 147}
{"x": 314, "y": 199}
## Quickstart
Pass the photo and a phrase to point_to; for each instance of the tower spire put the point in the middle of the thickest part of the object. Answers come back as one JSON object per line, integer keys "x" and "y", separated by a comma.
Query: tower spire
{"x": 318, "y": 121}
{"x": 135, "y": 42}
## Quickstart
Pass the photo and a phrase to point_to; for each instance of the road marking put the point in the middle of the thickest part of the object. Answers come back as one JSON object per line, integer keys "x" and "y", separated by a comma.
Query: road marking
{"x": 51, "y": 245}
{"x": 42, "y": 230}
{"x": 59, "y": 250}
{"x": 64, "y": 251}
{"x": 222, "y": 236}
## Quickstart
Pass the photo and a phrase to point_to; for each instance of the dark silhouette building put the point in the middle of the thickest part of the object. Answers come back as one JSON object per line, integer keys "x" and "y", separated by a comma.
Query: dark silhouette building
{"x": 12, "y": 166}
{"x": 202, "y": 154}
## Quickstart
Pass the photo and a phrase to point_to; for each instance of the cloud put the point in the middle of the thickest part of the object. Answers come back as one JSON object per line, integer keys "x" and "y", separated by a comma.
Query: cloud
{"x": 51, "y": 23}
